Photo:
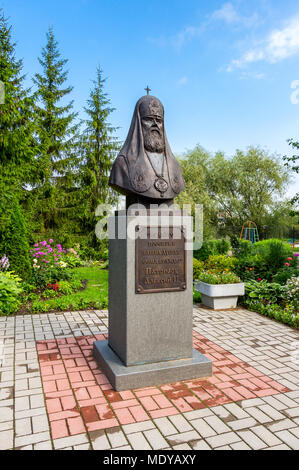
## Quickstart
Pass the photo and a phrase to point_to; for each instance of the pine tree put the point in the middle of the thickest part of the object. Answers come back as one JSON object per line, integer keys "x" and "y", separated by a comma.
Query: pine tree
{"x": 17, "y": 145}
{"x": 99, "y": 148}
{"x": 57, "y": 135}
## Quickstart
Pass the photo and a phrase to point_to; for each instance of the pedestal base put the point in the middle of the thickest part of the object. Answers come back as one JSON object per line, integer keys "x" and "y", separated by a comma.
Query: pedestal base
{"x": 124, "y": 377}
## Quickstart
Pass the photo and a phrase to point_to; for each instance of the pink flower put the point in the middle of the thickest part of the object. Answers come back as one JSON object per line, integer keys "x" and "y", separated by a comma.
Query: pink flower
{"x": 50, "y": 241}
{"x": 290, "y": 259}
{"x": 287, "y": 264}
{"x": 36, "y": 244}
{"x": 259, "y": 279}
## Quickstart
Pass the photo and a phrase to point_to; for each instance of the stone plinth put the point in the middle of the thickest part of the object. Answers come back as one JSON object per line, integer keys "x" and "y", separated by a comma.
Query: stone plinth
{"x": 150, "y": 332}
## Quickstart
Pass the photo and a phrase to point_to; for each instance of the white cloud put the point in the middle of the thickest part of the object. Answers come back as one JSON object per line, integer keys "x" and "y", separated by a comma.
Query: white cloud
{"x": 278, "y": 45}
{"x": 182, "y": 81}
{"x": 229, "y": 14}
{"x": 226, "y": 13}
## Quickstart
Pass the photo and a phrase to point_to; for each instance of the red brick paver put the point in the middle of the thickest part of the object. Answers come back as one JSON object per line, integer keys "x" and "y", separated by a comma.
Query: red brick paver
{"x": 79, "y": 397}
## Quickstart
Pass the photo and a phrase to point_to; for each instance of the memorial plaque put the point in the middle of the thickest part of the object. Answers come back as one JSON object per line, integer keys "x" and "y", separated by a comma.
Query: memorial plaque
{"x": 160, "y": 259}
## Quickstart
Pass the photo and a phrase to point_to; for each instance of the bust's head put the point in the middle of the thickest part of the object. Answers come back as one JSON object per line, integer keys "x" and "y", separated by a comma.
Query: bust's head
{"x": 152, "y": 121}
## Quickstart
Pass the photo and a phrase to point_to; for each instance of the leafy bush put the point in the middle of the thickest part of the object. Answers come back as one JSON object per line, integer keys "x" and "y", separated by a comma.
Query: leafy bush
{"x": 250, "y": 267}
{"x": 10, "y": 293}
{"x": 284, "y": 274}
{"x": 212, "y": 247}
{"x": 276, "y": 254}
{"x": 14, "y": 242}
{"x": 220, "y": 263}
{"x": 196, "y": 296}
{"x": 286, "y": 314}
{"x": 292, "y": 288}
{"x": 48, "y": 264}
{"x": 264, "y": 292}
{"x": 197, "y": 268}
{"x": 241, "y": 248}
{"x": 219, "y": 278}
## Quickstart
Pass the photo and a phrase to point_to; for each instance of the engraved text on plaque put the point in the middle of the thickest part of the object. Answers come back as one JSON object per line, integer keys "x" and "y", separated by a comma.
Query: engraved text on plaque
{"x": 160, "y": 259}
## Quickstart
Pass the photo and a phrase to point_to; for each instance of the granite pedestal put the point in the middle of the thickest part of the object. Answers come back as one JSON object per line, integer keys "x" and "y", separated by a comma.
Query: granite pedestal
{"x": 150, "y": 331}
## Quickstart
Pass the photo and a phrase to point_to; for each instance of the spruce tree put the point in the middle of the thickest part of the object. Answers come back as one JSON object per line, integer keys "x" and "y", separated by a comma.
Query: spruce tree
{"x": 99, "y": 148}
{"x": 57, "y": 136}
{"x": 17, "y": 145}
{"x": 16, "y": 126}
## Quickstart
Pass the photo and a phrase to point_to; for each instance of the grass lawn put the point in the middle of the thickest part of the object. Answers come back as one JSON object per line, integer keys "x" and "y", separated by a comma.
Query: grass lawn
{"x": 94, "y": 295}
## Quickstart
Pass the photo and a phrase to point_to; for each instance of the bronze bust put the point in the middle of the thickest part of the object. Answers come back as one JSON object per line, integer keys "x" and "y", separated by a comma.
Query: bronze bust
{"x": 145, "y": 169}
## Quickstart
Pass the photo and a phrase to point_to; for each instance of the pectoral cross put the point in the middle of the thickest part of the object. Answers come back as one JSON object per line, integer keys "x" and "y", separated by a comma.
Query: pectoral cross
{"x": 147, "y": 89}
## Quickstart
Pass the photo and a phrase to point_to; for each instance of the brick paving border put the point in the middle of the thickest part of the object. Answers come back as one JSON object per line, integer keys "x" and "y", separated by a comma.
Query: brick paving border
{"x": 53, "y": 396}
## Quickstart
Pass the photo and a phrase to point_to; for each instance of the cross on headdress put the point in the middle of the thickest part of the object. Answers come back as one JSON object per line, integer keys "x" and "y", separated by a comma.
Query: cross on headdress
{"x": 147, "y": 89}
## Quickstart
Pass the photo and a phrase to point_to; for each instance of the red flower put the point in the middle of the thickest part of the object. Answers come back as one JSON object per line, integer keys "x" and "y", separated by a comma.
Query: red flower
{"x": 56, "y": 286}
{"x": 259, "y": 279}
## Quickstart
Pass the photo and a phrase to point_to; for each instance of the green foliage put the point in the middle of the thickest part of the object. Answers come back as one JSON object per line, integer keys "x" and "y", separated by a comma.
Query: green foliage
{"x": 197, "y": 268}
{"x": 292, "y": 163}
{"x": 282, "y": 276}
{"x": 220, "y": 263}
{"x": 245, "y": 187}
{"x": 264, "y": 292}
{"x": 17, "y": 144}
{"x": 10, "y": 293}
{"x": 94, "y": 296}
{"x": 241, "y": 248}
{"x": 98, "y": 150}
{"x": 251, "y": 267}
{"x": 292, "y": 288}
{"x": 219, "y": 278}
{"x": 196, "y": 297}
{"x": 212, "y": 247}
{"x": 287, "y": 314}
{"x": 275, "y": 254}
{"x": 14, "y": 243}
{"x": 52, "y": 202}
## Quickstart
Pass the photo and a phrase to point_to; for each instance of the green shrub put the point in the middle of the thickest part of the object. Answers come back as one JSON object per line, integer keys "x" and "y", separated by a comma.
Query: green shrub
{"x": 10, "y": 293}
{"x": 14, "y": 243}
{"x": 284, "y": 274}
{"x": 220, "y": 263}
{"x": 275, "y": 254}
{"x": 287, "y": 314}
{"x": 197, "y": 268}
{"x": 264, "y": 292}
{"x": 219, "y": 278}
{"x": 196, "y": 297}
{"x": 241, "y": 248}
{"x": 292, "y": 288}
{"x": 212, "y": 247}
{"x": 250, "y": 267}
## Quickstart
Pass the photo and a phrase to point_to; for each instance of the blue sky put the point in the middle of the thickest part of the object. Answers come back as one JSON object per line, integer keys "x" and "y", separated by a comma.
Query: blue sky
{"x": 223, "y": 70}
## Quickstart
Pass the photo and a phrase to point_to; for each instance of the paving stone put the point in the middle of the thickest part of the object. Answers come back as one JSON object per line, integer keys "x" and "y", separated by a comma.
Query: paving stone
{"x": 252, "y": 440}
{"x": 116, "y": 437}
{"x": 155, "y": 439}
{"x": 223, "y": 439}
{"x": 289, "y": 439}
{"x": 6, "y": 440}
{"x": 138, "y": 441}
{"x": 165, "y": 426}
{"x": 268, "y": 437}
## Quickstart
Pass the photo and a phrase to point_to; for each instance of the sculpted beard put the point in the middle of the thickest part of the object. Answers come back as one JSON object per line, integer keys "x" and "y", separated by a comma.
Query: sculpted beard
{"x": 153, "y": 140}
